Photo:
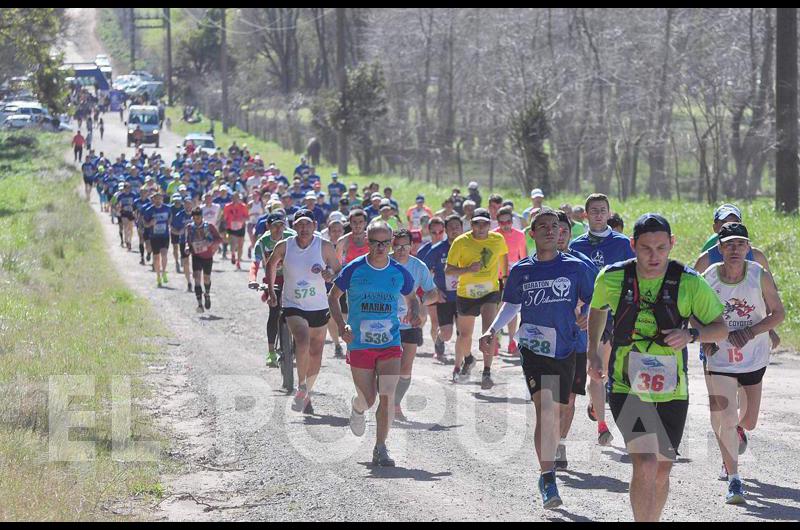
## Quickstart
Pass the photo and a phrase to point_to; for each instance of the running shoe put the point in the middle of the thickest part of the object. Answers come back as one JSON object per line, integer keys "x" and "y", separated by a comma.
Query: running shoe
{"x": 141, "y": 261}
{"x": 512, "y": 347}
{"x": 308, "y": 409}
{"x": 177, "y": 268}
{"x": 466, "y": 368}
{"x": 337, "y": 351}
{"x": 300, "y": 400}
{"x": 486, "y": 382}
{"x": 590, "y": 412}
{"x": 164, "y": 277}
{"x": 238, "y": 264}
{"x": 455, "y": 377}
{"x": 358, "y": 422}
{"x": 735, "y": 493}
{"x": 549, "y": 492}
{"x": 438, "y": 347}
{"x": 189, "y": 287}
{"x": 200, "y": 308}
{"x": 272, "y": 359}
{"x": 147, "y": 257}
{"x": 604, "y": 437}
{"x": 742, "y": 440}
{"x": 398, "y": 413}
{"x": 207, "y": 300}
{"x": 723, "y": 473}
{"x": 381, "y": 458}
{"x": 233, "y": 259}
{"x": 129, "y": 246}
{"x": 158, "y": 280}
{"x": 561, "y": 457}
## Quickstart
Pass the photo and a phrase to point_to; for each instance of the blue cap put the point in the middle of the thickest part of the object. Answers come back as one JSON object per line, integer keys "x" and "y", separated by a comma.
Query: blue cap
{"x": 276, "y": 218}
{"x": 726, "y": 210}
{"x": 420, "y": 198}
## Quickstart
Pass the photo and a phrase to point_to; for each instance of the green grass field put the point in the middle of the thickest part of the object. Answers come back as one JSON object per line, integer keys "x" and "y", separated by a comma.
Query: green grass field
{"x": 63, "y": 311}
{"x": 775, "y": 234}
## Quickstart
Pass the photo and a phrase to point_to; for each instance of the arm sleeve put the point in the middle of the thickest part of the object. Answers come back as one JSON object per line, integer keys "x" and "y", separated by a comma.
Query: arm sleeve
{"x": 507, "y": 312}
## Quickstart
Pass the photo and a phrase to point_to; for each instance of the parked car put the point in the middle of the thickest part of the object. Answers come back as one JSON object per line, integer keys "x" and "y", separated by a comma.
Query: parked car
{"x": 203, "y": 142}
{"x": 19, "y": 121}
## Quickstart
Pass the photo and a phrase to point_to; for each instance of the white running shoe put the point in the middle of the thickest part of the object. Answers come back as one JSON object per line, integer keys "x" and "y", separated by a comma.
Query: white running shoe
{"x": 358, "y": 422}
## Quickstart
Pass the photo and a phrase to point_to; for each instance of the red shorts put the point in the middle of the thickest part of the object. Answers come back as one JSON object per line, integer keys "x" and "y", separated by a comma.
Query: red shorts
{"x": 366, "y": 359}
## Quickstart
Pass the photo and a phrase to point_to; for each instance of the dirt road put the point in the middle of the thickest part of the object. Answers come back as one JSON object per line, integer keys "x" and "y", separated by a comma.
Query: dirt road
{"x": 467, "y": 454}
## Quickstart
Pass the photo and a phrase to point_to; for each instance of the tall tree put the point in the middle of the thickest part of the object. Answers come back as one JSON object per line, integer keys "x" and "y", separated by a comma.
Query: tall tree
{"x": 786, "y": 186}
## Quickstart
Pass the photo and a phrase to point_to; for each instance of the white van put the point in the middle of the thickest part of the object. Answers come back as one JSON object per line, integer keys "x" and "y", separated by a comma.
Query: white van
{"x": 145, "y": 117}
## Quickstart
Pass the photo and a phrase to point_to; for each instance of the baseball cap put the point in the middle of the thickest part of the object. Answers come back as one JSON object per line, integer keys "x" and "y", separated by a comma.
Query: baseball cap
{"x": 182, "y": 187}
{"x": 304, "y": 214}
{"x": 650, "y": 222}
{"x": 148, "y": 178}
{"x": 377, "y": 195}
{"x": 353, "y": 186}
{"x": 276, "y": 218}
{"x": 386, "y": 203}
{"x": 420, "y": 198}
{"x": 176, "y": 197}
{"x": 725, "y": 210}
{"x": 481, "y": 214}
{"x": 733, "y": 231}
{"x": 536, "y": 192}
{"x": 472, "y": 185}
{"x": 336, "y": 217}
{"x": 311, "y": 195}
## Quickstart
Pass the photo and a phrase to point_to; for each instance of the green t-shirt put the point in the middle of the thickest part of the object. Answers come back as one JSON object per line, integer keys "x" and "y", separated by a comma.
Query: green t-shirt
{"x": 265, "y": 245}
{"x": 712, "y": 242}
{"x": 653, "y": 372}
{"x": 578, "y": 229}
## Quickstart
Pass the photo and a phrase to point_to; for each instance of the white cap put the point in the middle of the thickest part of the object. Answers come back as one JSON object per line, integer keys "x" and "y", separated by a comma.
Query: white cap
{"x": 311, "y": 195}
{"x": 536, "y": 192}
{"x": 472, "y": 185}
{"x": 336, "y": 217}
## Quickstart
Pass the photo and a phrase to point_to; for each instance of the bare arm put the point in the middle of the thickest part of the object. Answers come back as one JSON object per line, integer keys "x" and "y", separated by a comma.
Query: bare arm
{"x": 336, "y": 314}
{"x": 342, "y": 247}
{"x": 597, "y": 323}
{"x": 761, "y": 259}
{"x": 331, "y": 261}
{"x": 777, "y": 313}
{"x": 702, "y": 263}
{"x": 414, "y": 318}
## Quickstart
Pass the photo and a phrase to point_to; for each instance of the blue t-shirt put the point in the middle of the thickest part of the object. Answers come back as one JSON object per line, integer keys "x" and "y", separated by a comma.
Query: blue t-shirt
{"x": 583, "y": 337}
{"x": 89, "y": 170}
{"x": 422, "y": 278}
{"x": 604, "y": 251}
{"x": 261, "y": 226}
{"x": 335, "y": 191}
{"x": 424, "y": 249}
{"x": 548, "y": 292}
{"x": 162, "y": 216}
{"x": 373, "y": 296}
{"x": 126, "y": 200}
{"x": 436, "y": 260}
{"x": 297, "y": 196}
{"x": 180, "y": 219}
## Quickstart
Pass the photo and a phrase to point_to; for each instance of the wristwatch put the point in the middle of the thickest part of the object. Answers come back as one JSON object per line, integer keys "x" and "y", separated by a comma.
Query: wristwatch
{"x": 695, "y": 333}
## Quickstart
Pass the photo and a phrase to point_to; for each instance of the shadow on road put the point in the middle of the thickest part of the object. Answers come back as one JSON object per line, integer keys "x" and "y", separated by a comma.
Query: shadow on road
{"x": 764, "y": 494}
{"x": 327, "y": 419}
{"x": 211, "y": 318}
{"x": 420, "y": 475}
{"x": 495, "y": 399}
{"x": 419, "y": 426}
{"x": 568, "y": 516}
{"x": 587, "y": 481}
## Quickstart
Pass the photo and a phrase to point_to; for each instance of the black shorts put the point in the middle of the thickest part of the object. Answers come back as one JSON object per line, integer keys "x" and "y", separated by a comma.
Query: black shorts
{"x": 175, "y": 239}
{"x": 146, "y": 234}
{"x": 746, "y": 379}
{"x": 472, "y": 306}
{"x": 579, "y": 382}
{"x": 88, "y": 180}
{"x": 157, "y": 244}
{"x": 635, "y": 418}
{"x": 236, "y": 233}
{"x": 126, "y": 215}
{"x": 202, "y": 264}
{"x": 446, "y": 313}
{"x": 548, "y": 373}
{"x": 315, "y": 319}
{"x": 411, "y": 336}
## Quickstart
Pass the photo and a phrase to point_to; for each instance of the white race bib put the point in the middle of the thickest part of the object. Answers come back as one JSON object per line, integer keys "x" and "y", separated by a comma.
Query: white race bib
{"x": 538, "y": 339}
{"x": 478, "y": 290}
{"x": 450, "y": 282}
{"x": 376, "y": 332}
{"x": 200, "y": 246}
{"x": 652, "y": 374}
{"x": 160, "y": 229}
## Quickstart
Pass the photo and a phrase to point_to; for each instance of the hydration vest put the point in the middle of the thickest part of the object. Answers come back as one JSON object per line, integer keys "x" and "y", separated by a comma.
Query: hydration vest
{"x": 665, "y": 308}
{"x": 206, "y": 230}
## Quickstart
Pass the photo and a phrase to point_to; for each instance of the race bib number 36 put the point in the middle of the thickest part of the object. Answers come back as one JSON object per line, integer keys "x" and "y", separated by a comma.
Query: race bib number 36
{"x": 652, "y": 374}
{"x": 538, "y": 339}
{"x": 376, "y": 332}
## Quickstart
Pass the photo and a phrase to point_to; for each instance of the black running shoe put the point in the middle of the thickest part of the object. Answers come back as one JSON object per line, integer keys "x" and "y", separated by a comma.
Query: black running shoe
{"x": 208, "y": 300}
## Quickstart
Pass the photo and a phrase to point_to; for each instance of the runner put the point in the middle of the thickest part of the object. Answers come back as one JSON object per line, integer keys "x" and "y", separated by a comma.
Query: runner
{"x": 211, "y": 210}
{"x": 178, "y": 226}
{"x": 157, "y": 218}
{"x": 125, "y": 215}
{"x": 475, "y": 257}
{"x": 236, "y": 215}
{"x": 309, "y": 261}
{"x": 647, "y": 374}
{"x": 753, "y": 307}
{"x": 276, "y": 232}
{"x": 352, "y": 246}
{"x": 78, "y": 142}
{"x": 437, "y": 232}
{"x": 201, "y": 241}
{"x": 410, "y": 336}
{"x": 256, "y": 209}
{"x": 515, "y": 241}
{"x": 546, "y": 290}
{"x": 89, "y": 171}
{"x": 579, "y": 383}
{"x": 446, "y": 310}
{"x": 604, "y": 247}
{"x": 414, "y": 213}
{"x": 140, "y": 205}
{"x": 374, "y": 284}
{"x": 334, "y": 233}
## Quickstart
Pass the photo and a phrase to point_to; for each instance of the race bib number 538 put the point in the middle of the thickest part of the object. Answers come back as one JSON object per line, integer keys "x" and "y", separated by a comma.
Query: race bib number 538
{"x": 376, "y": 332}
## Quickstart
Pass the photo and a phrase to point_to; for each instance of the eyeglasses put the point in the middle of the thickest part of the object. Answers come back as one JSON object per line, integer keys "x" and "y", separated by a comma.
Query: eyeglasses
{"x": 379, "y": 243}
{"x": 401, "y": 247}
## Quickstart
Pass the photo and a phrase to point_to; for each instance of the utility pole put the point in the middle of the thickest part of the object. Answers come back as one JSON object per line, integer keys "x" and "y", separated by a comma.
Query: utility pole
{"x": 341, "y": 78}
{"x": 223, "y": 59}
{"x": 168, "y": 27}
{"x": 786, "y": 169}
{"x": 132, "y": 16}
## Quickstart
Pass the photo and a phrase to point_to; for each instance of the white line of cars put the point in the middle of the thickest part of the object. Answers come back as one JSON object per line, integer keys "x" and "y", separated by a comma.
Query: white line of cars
{"x": 23, "y": 114}
{"x": 139, "y": 83}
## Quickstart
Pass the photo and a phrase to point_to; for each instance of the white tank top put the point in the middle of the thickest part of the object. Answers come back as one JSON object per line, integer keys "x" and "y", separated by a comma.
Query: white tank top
{"x": 256, "y": 211}
{"x": 303, "y": 285}
{"x": 744, "y": 307}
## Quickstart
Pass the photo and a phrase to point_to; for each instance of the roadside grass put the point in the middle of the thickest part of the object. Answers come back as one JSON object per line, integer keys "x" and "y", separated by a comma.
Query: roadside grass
{"x": 64, "y": 311}
{"x": 777, "y": 235}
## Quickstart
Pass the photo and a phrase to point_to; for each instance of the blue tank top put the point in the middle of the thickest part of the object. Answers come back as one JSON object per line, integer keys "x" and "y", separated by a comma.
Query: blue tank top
{"x": 715, "y": 256}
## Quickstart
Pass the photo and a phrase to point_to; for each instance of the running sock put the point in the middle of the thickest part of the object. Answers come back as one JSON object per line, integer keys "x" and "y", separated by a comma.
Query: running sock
{"x": 487, "y": 371}
{"x": 208, "y": 288}
{"x": 402, "y": 388}
{"x": 198, "y": 292}
{"x": 601, "y": 426}
{"x": 549, "y": 477}
{"x": 733, "y": 477}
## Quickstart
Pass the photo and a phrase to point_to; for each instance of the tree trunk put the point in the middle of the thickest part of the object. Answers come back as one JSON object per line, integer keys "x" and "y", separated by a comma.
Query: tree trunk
{"x": 786, "y": 170}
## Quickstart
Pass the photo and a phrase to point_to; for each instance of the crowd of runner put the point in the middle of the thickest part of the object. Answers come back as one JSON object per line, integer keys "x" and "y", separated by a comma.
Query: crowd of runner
{"x": 580, "y": 301}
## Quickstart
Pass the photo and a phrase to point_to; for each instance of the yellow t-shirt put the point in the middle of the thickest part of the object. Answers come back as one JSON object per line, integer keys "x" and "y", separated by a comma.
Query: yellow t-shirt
{"x": 465, "y": 251}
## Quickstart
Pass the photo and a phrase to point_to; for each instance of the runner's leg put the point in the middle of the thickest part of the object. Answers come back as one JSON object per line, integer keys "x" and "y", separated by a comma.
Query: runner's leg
{"x": 316, "y": 344}
{"x": 302, "y": 339}
{"x": 750, "y": 407}
{"x": 388, "y": 371}
{"x": 546, "y": 432}
{"x": 724, "y": 418}
{"x": 465, "y": 324}
{"x": 488, "y": 312}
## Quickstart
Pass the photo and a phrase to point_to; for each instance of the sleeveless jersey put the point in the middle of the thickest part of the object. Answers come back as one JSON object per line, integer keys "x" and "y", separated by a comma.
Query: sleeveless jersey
{"x": 354, "y": 252}
{"x": 744, "y": 307}
{"x": 303, "y": 285}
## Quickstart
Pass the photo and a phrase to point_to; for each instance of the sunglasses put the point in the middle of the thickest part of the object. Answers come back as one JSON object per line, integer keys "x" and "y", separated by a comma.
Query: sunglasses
{"x": 379, "y": 243}
{"x": 440, "y": 232}
{"x": 401, "y": 247}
